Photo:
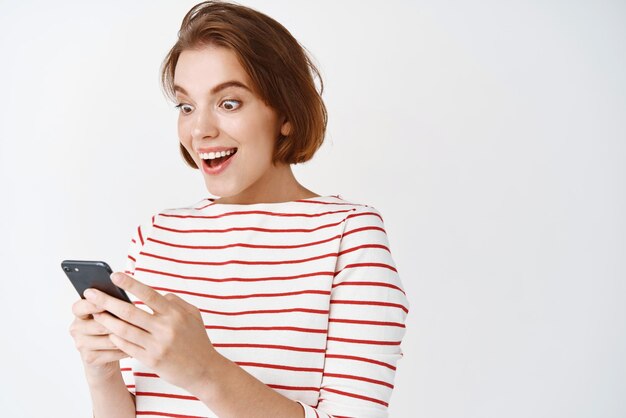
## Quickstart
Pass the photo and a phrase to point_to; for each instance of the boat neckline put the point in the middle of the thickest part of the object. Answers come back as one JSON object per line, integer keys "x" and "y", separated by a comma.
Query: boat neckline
{"x": 211, "y": 201}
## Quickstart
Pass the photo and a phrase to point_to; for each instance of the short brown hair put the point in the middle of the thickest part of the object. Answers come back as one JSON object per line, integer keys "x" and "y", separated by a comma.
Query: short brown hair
{"x": 280, "y": 68}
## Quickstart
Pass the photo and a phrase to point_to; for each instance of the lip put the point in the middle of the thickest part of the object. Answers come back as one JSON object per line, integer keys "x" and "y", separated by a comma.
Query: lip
{"x": 212, "y": 171}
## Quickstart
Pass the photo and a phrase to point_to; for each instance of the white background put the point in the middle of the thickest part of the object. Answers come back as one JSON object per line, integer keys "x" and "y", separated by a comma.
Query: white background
{"x": 490, "y": 134}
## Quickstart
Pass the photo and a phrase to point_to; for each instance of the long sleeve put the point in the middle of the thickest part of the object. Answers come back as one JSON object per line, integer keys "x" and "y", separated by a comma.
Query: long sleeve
{"x": 368, "y": 308}
{"x": 303, "y": 295}
{"x": 136, "y": 243}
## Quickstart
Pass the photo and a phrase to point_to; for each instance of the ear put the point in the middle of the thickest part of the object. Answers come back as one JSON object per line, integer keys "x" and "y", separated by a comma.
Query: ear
{"x": 285, "y": 128}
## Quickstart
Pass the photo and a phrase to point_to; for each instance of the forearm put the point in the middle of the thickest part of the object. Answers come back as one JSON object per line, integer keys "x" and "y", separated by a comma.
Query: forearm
{"x": 230, "y": 392}
{"x": 110, "y": 397}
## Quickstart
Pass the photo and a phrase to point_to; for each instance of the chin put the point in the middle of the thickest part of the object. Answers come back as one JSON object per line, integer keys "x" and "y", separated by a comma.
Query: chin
{"x": 220, "y": 191}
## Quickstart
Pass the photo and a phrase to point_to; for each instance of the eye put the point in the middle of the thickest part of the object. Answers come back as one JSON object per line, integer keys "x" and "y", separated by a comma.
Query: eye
{"x": 184, "y": 108}
{"x": 231, "y": 104}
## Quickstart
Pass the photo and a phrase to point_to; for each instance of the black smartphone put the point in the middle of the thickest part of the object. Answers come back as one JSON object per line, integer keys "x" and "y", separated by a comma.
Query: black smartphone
{"x": 95, "y": 274}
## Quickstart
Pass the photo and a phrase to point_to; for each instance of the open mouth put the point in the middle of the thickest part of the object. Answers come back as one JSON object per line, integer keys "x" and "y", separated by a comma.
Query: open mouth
{"x": 219, "y": 159}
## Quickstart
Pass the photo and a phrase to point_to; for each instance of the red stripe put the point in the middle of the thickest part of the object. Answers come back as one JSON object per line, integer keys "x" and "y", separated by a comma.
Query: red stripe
{"x": 317, "y": 202}
{"x": 142, "y": 374}
{"x": 367, "y": 360}
{"x": 266, "y": 311}
{"x": 133, "y": 241}
{"x": 370, "y": 303}
{"x": 349, "y": 266}
{"x": 316, "y": 414}
{"x": 250, "y": 228}
{"x": 365, "y": 228}
{"x": 125, "y": 369}
{"x": 354, "y": 395}
{"x": 130, "y": 386}
{"x": 244, "y": 262}
{"x": 355, "y": 341}
{"x": 364, "y": 379}
{"x": 256, "y": 212}
{"x": 237, "y": 279}
{"x": 379, "y": 284}
{"x": 296, "y": 329}
{"x": 362, "y": 322}
{"x": 140, "y": 236}
{"x": 167, "y": 395}
{"x": 349, "y": 250}
{"x": 285, "y": 387}
{"x": 356, "y": 215}
{"x": 269, "y": 346}
{"x": 132, "y": 258}
{"x": 241, "y": 244}
{"x": 166, "y": 414}
{"x": 270, "y": 230}
{"x": 254, "y": 295}
{"x": 279, "y": 366}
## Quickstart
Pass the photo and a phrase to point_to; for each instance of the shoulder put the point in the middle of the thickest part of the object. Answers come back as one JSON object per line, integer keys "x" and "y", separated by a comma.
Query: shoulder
{"x": 364, "y": 213}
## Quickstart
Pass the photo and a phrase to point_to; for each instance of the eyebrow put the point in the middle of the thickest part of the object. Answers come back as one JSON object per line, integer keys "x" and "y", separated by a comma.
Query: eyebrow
{"x": 218, "y": 88}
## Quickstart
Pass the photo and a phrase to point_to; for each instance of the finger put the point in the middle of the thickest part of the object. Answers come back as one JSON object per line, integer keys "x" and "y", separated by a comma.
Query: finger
{"x": 83, "y": 309}
{"x": 146, "y": 294}
{"x": 87, "y": 327}
{"x": 132, "y": 350}
{"x": 97, "y": 358}
{"x": 123, "y": 329}
{"x": 123, "y": 310}
{"x": 94, "y": 343}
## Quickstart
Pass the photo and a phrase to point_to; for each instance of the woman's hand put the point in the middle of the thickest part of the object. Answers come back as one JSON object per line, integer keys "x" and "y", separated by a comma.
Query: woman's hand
{"x": 172, "y": 340}
{"x": 100, "y": 356}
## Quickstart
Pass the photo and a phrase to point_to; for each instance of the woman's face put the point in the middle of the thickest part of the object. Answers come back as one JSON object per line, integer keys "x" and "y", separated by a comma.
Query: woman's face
{"x": 221, "y": 114}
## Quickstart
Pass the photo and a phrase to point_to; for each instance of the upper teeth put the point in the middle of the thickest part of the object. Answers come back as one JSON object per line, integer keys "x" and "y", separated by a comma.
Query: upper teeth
{"x": 213, "y": 155}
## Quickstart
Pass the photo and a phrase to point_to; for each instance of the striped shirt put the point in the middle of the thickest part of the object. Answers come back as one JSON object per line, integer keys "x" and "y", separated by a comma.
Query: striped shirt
{"x": 304, "y": 295}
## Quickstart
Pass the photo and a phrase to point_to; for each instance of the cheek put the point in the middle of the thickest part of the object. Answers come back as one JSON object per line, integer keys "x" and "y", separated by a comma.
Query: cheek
{"x": 184, "y": 135}
{"x": 183, "y": 131}
{"x": 265, "y": 130}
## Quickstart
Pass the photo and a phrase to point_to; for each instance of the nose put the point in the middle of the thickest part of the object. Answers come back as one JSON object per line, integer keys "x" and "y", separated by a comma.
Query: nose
{"x": 205, "y": 125}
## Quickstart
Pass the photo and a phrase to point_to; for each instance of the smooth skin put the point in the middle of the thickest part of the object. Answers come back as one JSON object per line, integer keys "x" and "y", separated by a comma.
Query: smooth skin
{"x": 232, "y": 117}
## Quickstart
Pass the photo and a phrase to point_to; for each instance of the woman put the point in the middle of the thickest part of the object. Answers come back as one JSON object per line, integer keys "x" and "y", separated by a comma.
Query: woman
{"x": 270, "y": 301}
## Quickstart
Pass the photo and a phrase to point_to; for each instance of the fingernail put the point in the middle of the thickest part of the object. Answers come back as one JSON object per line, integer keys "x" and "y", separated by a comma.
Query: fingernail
{"x": 116, "y": 278}
{"x": 89, "y": 293}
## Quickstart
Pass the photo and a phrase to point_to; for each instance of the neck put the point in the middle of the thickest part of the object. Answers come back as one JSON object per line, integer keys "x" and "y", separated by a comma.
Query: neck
{"x": 279, "y": 186}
